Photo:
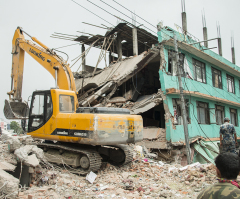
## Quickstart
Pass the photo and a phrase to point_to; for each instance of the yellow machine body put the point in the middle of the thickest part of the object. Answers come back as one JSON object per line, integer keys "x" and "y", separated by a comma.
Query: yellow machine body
{"x": 84, "y": 128}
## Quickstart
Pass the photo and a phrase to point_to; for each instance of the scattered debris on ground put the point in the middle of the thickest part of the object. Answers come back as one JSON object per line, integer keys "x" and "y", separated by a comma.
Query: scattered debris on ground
{"x": 143, "y": 178}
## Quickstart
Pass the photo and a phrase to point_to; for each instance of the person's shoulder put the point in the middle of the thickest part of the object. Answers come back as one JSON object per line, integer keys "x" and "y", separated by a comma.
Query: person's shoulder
{"x": 223, "y": 190}
{"x": 231, "y": 191}
{"x": 206, "y": 193}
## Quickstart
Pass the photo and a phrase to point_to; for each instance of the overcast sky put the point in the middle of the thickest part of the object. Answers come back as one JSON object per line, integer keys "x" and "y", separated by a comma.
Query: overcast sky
{"x": 42, "y": 18}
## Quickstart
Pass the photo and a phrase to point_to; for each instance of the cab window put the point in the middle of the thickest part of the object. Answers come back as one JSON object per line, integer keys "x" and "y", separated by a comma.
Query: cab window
{"x": 37, "y": 110}
{"x": 66, "y": 103}
{"x": 49, "y": 107}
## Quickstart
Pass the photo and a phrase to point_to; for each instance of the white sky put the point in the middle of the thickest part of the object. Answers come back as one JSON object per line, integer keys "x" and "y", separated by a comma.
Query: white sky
{"x": 42, "y": 18}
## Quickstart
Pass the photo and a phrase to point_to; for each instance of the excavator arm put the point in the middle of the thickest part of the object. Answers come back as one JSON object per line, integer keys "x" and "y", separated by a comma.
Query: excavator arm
{"x": 14, "y": 107}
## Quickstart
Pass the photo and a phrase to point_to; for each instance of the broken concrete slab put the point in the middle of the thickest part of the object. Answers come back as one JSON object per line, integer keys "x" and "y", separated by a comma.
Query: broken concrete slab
{"x": 156, "y": 144}
{"x": 22, "y": 152}
{"x": 7, "y": 166}
{"x": 118, "y": 71}
{"x": 116, "y": 74}
{"x": 100, "y": 92}
{"x": 13, "y": 141}
{"x": 117, "y": 100}
{"x": 144, "y": 103}
{"x": 32, "y": 161}
{"x": 152, "y": 133}
{"x": 8, "y": 184}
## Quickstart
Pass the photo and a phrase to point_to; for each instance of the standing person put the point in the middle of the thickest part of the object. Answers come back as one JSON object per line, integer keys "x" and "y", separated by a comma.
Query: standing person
{"x": 227, "y": 170}
{"x": 228, "y": 137}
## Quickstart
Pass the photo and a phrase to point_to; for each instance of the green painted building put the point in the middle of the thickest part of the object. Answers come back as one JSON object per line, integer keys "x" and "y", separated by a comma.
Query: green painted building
{"x": 211, "y": 88}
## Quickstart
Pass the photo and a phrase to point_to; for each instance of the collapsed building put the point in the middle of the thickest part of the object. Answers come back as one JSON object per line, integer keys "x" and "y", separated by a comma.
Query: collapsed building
{"x": 130, "y": 81}
{"x": 142, "y": 76}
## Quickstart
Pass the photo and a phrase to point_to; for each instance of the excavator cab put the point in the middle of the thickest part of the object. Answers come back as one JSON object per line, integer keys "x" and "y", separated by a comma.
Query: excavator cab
{"x": 41, "y": 109}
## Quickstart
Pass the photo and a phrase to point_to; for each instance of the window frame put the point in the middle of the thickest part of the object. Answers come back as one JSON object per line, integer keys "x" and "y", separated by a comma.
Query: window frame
{"x": 236, "y": 116}
{"x": 202, "y": 66}
{"x": 232, "y": 83}
{"x": 219, "y": 78}
{"x": 73, "y": 104}
{"x": 179, "y": 111}
{"x": 239, "y": 85}
{"x": 172, "y": 68}
{"x": 218, "y": 108}
{"x": 206, "y": 112}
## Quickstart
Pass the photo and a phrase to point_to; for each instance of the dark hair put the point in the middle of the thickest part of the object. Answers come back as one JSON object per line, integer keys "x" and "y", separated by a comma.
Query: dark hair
{"x": 228, "y": 165}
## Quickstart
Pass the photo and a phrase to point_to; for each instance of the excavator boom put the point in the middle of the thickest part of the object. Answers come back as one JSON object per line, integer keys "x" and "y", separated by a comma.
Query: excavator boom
{"x": 15, "y": 108}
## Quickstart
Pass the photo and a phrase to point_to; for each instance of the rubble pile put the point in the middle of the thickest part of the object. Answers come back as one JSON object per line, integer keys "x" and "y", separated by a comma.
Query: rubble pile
{"x": 143, "y": 178}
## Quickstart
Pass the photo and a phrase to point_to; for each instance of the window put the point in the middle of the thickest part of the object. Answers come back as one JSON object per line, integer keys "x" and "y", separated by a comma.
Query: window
{"x": 37, "y": 110}
{"x": 219, "y": 114}
{"x": 203, "y": 113}
{"x": 199, "y": 71}
{"x": 66, "y": 103}
{"x": 230, "y": 84}
{"x": 239, "y": 85}
{"x": 172, "y": 65}
{"x": 233, "y": 116}
{"x": 49, "y": 106}
{"x": 178, "y": 118}
{"x": 216, "y": 78}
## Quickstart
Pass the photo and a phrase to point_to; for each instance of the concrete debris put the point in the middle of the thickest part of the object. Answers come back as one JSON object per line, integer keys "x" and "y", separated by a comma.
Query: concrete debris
{"x": 22, "y": 153}
{"x": 147, "y": 154}
{"x": 132, "y": 83}
{"x": 143, "y": 178}
{"x": 32, "y": 161}
{"x": 14, "y": 142}
{"x": 7, "y": 166}
{"x": 8, "y": 185}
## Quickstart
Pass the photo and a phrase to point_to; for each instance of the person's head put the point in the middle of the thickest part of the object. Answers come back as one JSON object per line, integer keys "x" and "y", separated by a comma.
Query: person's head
{"x": 226, "y": 119}
{"x": 227, "y": 165}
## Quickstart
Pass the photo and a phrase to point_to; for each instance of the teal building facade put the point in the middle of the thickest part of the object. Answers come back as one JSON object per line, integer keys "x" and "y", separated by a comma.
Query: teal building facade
{"x": 210, "y": 83}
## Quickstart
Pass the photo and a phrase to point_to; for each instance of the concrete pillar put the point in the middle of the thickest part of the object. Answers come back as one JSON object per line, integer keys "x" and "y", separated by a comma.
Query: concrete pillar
{"x": 205, "y": 37}
{"x": 110, "y": 57}
{"x": 113, "y": 43}
{"x": 184, "y": 22}
{"x": 145, "y": 47}
{"x": 220, "y": 46}
{"x": 135, "y": 41}
{"x": 83, "y": 59}
{"x": 233, "y": 55}
{"x": 119, "y": 46}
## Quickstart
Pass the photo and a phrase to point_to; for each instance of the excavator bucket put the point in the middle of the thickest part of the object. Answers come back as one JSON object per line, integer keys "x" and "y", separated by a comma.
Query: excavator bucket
{"x": 16, "y": 110}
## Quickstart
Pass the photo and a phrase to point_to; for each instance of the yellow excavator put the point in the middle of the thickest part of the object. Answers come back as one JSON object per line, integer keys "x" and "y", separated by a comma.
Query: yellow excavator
{"x": 82, "y": 137}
